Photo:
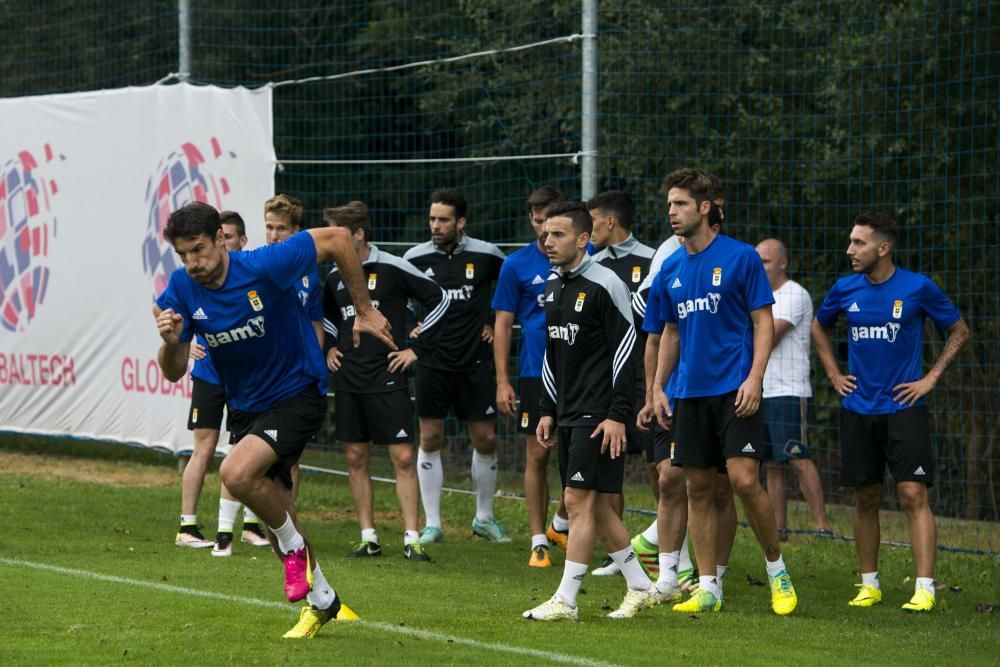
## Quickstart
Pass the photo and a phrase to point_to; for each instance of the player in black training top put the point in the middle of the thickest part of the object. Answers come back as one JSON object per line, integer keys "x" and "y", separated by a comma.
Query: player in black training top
{"x": 588, "y": 380}
{"x": 373, "y": 404}
{"x": 458, "y": 372}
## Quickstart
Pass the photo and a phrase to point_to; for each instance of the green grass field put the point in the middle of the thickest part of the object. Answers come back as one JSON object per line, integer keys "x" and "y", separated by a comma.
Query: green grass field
{"x": 89, "y": 574}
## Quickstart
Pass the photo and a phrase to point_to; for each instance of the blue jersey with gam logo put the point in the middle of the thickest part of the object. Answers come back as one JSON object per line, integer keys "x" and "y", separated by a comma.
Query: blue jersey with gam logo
{"x": 885, "y": 330}
{"x": 709, "y": 296}
{"x": 520, "y": 290}
{"x": 257, "y": 333}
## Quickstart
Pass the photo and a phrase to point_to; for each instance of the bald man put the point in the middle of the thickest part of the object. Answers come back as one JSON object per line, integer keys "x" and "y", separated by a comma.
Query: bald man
{"x": 787, "y": 391}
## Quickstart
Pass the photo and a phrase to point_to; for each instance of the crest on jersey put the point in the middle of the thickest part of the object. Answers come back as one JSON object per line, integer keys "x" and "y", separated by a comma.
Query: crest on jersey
{"x": 470, "y": 271}
{"x": 372, "y": 279}
{"x": 579, "y": 302}
{"x": 305, "y": 281}
{"x": 897, "y": 308}
{"x": 636, "y": 274}
{"x": 717, "y": 276}
{"x": 255, "y": 301}
{"x": 524, "y": 420}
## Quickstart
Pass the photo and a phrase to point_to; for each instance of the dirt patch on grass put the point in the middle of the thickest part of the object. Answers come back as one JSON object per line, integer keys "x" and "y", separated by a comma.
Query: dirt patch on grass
{"x": 111, "y": 473}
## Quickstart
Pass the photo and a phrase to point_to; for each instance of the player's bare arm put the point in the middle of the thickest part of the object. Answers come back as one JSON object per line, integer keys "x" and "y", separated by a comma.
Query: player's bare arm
{"x": 749, "y": 394}
{"x": 334, "y": 243}
{"x": 173, "y": 354}
{"x": 908, "y": 393}
{"x": 503, "y": 328}
{"x": 842, "y": 384}
{"x": 670, "y": 352}
{"x": 647, "y": 413}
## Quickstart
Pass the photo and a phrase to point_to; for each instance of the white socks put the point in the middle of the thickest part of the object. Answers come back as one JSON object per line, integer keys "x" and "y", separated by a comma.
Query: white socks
{"x": 926, "y": 583}
{"x": 652, "y": 534}
{"x": 685, "y": 561}
{"x": 431, "y": 477}
{"x": 289, "y": 538}
{"x": 572, "y": 579}
{"x": 628, "y": 563}
{"x": 870, "y": 579}
{"x": 249, "y": 516}
{"x": 484, "y": 475}
{"x": 228, "y": 509}
{"x": 189, "y": 519}
{"x": 322, "y": 594}
{"x": 775, "y": 568}
{"x": 539, "y": 541}
{"x": 410, "y": 537}
{"x": 560, "y": 524}
{"x": 368, "y": 535}
{"x": 710, "y": 584}
{"x": 668, "y": 569}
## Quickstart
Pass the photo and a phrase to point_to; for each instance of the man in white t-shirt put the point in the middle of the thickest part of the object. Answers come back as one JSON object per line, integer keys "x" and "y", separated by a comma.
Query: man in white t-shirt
{"x": 787, "y": 391}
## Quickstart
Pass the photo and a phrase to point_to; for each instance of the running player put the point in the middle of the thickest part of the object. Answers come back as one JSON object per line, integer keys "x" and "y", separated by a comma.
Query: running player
{"x": 588, "y": 377}
{"x": 246, "y": 308}
{"x": 787, "y": 392}
{"x": 883, "y": 417}
{"x": 519, "y": 295}
{"x": 719, "y": 328}
{"x": 373, "y": 401}
{"x": 618, "y": 250}
{"x": 205, "y": 422}
{"x": 457, "y": 373}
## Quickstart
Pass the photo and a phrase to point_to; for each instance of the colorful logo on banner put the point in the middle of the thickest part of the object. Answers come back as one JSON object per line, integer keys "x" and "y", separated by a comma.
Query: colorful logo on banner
{"x": 27, "y": 224}
{"x": 182, "y": 177}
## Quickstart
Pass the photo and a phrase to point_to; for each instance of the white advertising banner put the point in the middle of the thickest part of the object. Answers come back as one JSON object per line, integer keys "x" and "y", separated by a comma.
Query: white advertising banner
{"x": 86, "y": 184}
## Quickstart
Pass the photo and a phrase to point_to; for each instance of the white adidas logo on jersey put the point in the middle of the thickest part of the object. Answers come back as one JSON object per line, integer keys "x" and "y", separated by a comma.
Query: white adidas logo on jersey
{"x": 676, "y": 283}
{"x": 854, "y": 308}
{"x": 537, "y": 280}
{"x": 402, "y": 433}
{"x": 340, "y": 284}
{"x": 199, "y": 315}
{"x": 749, "y": 449}
{"x": 429, "y": 273}
{"x": 550, "y": 298}
{"x": 272, "y": 434}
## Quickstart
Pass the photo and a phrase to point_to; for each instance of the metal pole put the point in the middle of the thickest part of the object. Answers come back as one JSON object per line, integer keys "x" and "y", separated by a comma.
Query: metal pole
{"x": 184, "y": 39}
{"x": 588, "y": 103}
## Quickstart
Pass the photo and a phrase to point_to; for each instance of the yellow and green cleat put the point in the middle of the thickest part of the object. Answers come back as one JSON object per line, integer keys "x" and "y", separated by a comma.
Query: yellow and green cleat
{"x": 783, "y": 597}
{"x": 922, "y": 602}
{"x": 868, "y": 596}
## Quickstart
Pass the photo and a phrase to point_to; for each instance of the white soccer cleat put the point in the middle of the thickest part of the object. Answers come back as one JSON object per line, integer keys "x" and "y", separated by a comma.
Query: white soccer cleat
{"x": 554, "y": 609}
{"x": 664, "y": 593}
{"x": 634, "y": 602}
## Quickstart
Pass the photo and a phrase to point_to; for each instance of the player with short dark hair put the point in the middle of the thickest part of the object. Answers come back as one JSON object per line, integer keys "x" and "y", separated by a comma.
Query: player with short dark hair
{"x": 373, "y": 401}
{"x": 519, "y": 295}
{"x": 246, "y": 308}
{"x": 883, "y": 417}
{"x": 719, "y": 327}
{"x": 457, "y": 373}
{"x": 588, "y": 375}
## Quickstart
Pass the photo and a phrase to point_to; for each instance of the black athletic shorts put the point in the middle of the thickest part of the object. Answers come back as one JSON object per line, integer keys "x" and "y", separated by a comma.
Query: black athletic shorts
{"x": 707, "y": 432}
{"x": 472, "y": 394}
{"x": 901, "y": 441}
{"x": 583, "y": 466}
{"x": 528, "y": 415}
{"x": 287, "y": 427}
{"x": 207, "y": 404}
{"x": 382, "y": 419}
{"x": 661, "y": 445}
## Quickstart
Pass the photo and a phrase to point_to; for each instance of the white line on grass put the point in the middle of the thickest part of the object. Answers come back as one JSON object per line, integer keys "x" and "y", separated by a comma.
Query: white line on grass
{"x": 283, "y": 606}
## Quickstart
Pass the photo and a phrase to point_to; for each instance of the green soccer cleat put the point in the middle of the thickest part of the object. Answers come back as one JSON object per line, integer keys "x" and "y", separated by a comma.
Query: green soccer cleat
{"x": 648, "y": 555}
{"x": 868, "y": 596}
{"x": 365, "y": 549}
{"x": 922, "y": 602}
{"x": 783, "y": 597}
{"x": 312, "y": 619}
{"x": 491, "y": 530}
{"x": 415, "y": 551}
{"x": 700, "y": 602}
{"x": 687, "y": 580}
{"x": 431, "y": 534}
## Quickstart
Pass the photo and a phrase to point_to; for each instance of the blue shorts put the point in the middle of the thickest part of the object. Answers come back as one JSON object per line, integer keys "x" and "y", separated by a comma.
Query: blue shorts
{"x": 787, "y": 421}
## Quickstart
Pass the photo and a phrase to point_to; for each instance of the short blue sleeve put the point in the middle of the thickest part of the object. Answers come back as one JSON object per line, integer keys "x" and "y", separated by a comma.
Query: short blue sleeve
{"x": 506, "y": 296}
{"x": 830, "y": 309}
{"x": 655, "y": 319}
{"x": 938, "y": 306}
{"x": 171, "y": 299}
{"x": 315, "y": 303}
{"x": 285, "y": 263}
{"x": 757, "y": 289}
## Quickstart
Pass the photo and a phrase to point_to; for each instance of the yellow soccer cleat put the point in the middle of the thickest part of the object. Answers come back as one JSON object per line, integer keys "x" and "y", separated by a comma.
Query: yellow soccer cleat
{"x": 868, "y": 596}
{"x": 701, "y": 601}
{"x": 312, "y": 619}
{"x": 922, "y": 602}
{"x": 783, "y": 597}
{"x": 557, "y": 537}
{"x": 540, "y": 557}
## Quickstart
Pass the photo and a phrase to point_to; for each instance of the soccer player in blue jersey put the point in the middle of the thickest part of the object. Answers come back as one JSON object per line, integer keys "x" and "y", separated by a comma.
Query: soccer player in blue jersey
{"x": 883, "y": 418}
{"x": 246, "y": 308}
{"x": 519, "y": 296}
{"x": 717, "y": 337}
